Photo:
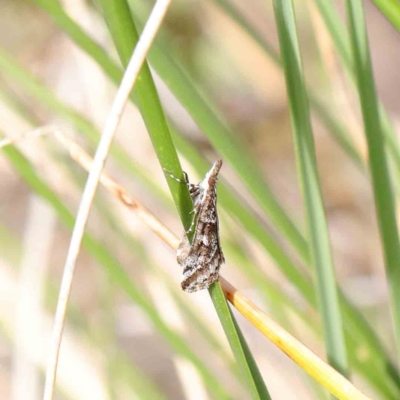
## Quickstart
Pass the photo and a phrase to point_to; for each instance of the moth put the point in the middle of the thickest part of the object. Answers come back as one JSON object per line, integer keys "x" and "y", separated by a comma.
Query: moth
{"x": 202, "y": 259}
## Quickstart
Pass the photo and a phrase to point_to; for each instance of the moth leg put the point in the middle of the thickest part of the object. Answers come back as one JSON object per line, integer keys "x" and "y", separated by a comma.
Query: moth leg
{"x": 195, "y": 212}
{"x": 193, "y": 222}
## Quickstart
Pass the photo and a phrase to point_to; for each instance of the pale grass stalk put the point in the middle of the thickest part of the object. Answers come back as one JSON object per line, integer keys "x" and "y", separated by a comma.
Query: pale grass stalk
{"x": 85, "y": 161}
{"x": 152, "y": 26}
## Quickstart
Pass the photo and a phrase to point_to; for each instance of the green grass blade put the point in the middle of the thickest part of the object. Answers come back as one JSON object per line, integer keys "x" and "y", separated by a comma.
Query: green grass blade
{"x": 239, "y": 346}
{"x": 384, "y": 198}
{"x": 307, "y": 166}
{"x": 124, "y": 34}
{"x": 391, "y": 10}
{"x": 118, "y": 18}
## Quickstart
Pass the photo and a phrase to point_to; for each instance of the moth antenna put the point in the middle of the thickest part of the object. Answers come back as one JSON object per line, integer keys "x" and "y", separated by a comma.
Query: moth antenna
{"x": 186, "y": 178}
{"x": 186, "y": 181}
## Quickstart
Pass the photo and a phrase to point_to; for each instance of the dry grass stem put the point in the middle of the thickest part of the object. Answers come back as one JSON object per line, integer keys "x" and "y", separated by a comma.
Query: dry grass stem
{"x": 85, "y": 161}
{"x": 323, "y": 373}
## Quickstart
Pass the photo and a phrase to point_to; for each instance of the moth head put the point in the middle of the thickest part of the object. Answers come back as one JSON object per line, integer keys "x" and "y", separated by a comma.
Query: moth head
{"x": 212, "y": 175}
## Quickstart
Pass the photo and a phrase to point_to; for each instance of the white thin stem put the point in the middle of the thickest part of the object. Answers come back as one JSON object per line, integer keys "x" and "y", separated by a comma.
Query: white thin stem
{"x": 152, "y": 26}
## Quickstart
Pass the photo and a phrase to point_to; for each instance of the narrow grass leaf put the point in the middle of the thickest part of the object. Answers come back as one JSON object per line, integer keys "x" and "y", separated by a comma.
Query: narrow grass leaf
{"x": 383, "y": 195}
{"x": 307, "y": 166}
{"x": 391, "y": 10}
{"x": 239, "y": 346}
{"x": 118, "y": 18}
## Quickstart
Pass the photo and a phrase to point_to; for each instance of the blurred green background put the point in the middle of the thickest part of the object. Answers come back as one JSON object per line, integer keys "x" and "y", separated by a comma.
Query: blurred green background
{"x": 131, "y": 332}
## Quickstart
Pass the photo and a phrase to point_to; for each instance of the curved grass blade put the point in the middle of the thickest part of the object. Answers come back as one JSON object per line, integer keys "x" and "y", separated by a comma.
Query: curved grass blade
{"x": 306, "y": 160}
{"x": 391, "y": 10}
{"x": 239, "y": 345}
{"x": 383, "y": 195}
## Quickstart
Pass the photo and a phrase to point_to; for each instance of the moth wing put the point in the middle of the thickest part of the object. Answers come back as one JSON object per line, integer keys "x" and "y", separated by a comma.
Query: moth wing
{"x": 202, "y": 261}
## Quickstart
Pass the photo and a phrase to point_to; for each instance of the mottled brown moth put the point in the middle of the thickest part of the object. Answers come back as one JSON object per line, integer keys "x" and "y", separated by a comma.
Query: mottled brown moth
{"x": 201, "y": 260}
